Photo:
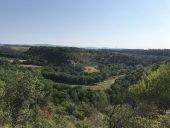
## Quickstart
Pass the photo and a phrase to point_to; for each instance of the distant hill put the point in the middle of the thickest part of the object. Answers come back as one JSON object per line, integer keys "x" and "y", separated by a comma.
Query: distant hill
{"x": 58, "y": 55}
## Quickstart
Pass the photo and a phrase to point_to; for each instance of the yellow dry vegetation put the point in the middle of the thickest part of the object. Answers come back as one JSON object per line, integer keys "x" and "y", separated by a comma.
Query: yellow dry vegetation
{"x": 30, "y": 66}
{"x": 102, "y": 85}
{"x": 90, "y": 69}
{"x": 106, "y": 84}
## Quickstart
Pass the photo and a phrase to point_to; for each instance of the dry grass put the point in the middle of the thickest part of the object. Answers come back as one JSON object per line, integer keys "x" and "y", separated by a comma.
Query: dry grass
{"x": 29, "y": 66}
{"x": 90, "y": 69}
{"x": 12, "y": 60}
{"x": 102, "y": 85}
{"x": 19, "y": 48}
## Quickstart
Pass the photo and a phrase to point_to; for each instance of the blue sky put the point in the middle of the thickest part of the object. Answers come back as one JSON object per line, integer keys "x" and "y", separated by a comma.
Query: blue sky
{"x": 86, "y": 23}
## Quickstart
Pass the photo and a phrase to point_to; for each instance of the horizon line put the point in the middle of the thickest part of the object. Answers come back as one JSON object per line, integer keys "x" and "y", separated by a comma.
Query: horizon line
{"x": 85, "y": 47}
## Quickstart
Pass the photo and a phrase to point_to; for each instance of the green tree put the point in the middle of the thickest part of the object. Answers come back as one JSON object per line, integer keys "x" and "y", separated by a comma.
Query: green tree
{"x": 154, "y": 87}
{"x": 21, "y": 94}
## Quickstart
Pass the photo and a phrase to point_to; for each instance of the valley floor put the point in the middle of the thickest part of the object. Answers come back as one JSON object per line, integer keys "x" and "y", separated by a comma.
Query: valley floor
{"x": 106, "y": 84}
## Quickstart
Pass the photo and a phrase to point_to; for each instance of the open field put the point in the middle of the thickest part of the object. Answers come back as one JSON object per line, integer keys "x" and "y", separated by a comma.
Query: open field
{"x": 90, "y": 69}
{"x": 14, "y": 48}
{"x": 106, "y": 84}
{"x": 103, "y": 85}
{"x": 19, "y": 48}
{"x": 29, "y": 66}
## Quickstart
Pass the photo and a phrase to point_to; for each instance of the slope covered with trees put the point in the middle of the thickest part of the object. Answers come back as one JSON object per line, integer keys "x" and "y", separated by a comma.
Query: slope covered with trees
{"x": 67, "y": 65}
{"x": 154, "y": 86}
{"x": 31, "y": 98}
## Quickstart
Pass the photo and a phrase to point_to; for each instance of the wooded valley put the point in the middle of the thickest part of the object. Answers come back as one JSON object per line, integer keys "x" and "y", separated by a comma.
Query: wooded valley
{"x": 67, "y": 87}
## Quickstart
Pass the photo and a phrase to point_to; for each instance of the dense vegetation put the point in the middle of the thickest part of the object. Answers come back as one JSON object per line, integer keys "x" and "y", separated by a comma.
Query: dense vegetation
{"x": 49, "y": 87}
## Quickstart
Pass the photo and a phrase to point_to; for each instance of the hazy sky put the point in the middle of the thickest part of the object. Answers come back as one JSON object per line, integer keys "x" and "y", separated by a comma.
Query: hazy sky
{"x": 86, "y": 23}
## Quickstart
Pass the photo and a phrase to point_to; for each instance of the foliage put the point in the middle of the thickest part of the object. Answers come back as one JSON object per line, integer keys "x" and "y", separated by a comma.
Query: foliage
{"x": 53, "y": 96}
{"x": 154, "y": 87}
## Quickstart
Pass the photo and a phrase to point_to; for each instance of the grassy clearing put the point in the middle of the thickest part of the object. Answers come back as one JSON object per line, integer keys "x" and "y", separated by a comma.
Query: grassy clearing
{"x": 102, "y": 85}
{"x": 106, "y": 84}
{"x": 19, "y": 48}
{"x": 29, "y": 66}
{"x": 11, "y": 60}
{"x": 90, "y": 69}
